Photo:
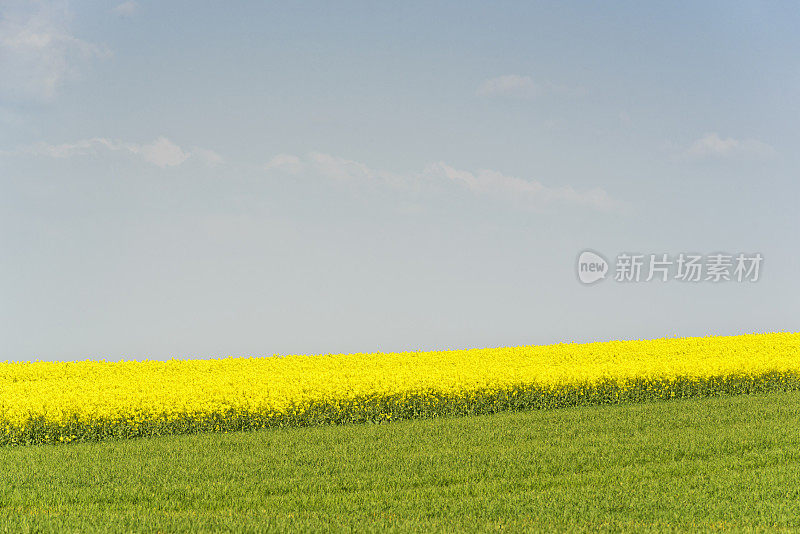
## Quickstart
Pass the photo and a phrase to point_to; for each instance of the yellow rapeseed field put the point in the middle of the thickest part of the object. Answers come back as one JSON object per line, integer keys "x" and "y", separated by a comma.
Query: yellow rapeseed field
{"x": 43, "y": 402}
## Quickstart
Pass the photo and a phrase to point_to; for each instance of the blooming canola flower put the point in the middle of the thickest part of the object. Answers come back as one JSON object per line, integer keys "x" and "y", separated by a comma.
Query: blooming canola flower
{"x": 91, "y": 400}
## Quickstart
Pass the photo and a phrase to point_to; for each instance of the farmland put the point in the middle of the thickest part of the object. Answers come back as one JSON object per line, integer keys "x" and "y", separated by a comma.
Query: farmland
{"x": 53, "y": 402}
{"x": 707, "y": 464}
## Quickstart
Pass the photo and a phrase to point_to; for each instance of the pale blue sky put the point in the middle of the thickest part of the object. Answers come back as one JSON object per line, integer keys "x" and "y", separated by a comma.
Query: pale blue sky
{"x": 198, "y": 179}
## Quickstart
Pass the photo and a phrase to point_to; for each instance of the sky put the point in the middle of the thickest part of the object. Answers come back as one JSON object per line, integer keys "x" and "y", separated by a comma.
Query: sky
{"x": 208, "y": 179}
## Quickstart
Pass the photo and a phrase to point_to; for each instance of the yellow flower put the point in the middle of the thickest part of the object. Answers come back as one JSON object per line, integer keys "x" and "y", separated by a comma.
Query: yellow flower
{"x": 65, "y": 401}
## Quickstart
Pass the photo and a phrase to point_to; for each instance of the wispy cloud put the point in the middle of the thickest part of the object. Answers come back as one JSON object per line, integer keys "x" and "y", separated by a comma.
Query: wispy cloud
{"x": 127, "y": 9}
{"x": 509, "y": 85}
{"x": 517, "y": 86}
{"x": 39, "y": 52}
{"x": 712, "y": 145}
{"x": 487, "y": 182}
{"x": 285, "y": 163}
{"x": 209, "y": 157}
{"x": 484, "y": 183}
{"x": 161, "y": 152}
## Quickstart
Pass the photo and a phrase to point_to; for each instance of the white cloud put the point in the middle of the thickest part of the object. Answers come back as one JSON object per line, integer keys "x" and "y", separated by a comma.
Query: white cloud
{"x": 711, "y": 144}
{"x": 209, "y": 157}
{"x": 333, "y": 168}
{"x": 516, "y": 86}
{"x": 509, "y": 85}
{"x": 66, "y": 150}
{"x": 339, "y": 168}
{"x": 285, "y": 163}
{"x": 529, "y": 192}
{"x": 38, "y": 53}
{"x": 161, "y": 152}
{"x": 483, "y": 183}
{"x": 354, "y": 172}
{"x": 127, "y": 9}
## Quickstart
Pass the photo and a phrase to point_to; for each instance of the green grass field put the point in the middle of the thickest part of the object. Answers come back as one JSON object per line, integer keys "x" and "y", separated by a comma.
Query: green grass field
{"x": 711, "y": 464}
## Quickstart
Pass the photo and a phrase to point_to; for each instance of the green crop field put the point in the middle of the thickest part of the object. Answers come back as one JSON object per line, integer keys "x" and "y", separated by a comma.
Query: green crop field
{"x": 710, "y": 464}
